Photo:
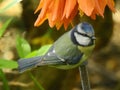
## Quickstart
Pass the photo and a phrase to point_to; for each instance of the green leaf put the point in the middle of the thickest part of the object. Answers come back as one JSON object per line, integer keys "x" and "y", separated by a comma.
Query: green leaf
{"x": 43, "y": 49}
{"x": 39, "y": 52}
{"x": 8, "y": 64}
{"x": 5, "y": 25}
{"x": 12, "y": 3}
{"x": 5, "y": 82}
{"x": 23, "y": 47}
{"x": 32, "y": 54}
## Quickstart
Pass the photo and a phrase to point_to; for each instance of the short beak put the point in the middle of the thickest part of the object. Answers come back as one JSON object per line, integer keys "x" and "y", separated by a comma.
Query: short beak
{"x": 94, "y": 38}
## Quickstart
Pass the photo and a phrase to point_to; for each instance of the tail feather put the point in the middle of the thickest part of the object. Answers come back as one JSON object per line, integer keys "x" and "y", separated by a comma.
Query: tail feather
{"x": 25, "y": 64}
{"x": 29, "y": 63}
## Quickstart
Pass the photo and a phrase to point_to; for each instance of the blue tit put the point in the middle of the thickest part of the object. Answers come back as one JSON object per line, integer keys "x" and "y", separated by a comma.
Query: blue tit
{"x": 71, "y": 50}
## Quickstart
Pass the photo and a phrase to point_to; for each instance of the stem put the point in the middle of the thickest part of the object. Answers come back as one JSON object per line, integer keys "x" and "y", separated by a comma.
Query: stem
{"x": 5, "y": 82}
{"x": 84, "y": 77}
{"x": 36, "y": 82}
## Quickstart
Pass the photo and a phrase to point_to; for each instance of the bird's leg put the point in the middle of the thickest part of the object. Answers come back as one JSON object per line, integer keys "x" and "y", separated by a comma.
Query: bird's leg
{"x": 84, "y": 77}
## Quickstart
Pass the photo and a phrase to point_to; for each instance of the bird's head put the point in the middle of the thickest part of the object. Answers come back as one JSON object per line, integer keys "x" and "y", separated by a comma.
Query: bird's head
{"x": 83, "y": 34}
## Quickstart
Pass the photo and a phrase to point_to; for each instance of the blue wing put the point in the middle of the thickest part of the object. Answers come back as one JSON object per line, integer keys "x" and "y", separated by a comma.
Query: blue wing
{"x": 52, "y": 58}
{"x": 28, "y": 63}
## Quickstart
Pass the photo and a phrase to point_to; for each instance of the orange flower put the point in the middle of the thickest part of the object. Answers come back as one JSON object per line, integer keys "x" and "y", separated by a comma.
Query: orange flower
{"x": 95, "y": 7}
{"x": 62, "y": 12}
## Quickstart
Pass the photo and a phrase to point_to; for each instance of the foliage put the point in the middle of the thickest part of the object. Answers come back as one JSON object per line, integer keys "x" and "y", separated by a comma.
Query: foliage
{"x": 5, "y": 82}
{"x": 36, "y": 82}
{"x": 38, "y": 52}
{"x": 5, "y": 63}
{"x": 23, "y": 50}
{"x": 5, "y": 25}
{"x": 8, "y": 64}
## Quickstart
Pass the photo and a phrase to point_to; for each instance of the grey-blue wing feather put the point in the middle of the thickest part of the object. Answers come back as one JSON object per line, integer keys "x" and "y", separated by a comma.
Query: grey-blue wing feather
{"x": 74, "y": 60}
{"x": 51, "y": 57}
{"x": 28, "y": 63}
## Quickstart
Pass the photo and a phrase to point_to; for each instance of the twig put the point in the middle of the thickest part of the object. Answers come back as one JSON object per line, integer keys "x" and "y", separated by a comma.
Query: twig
{"x": 84, "y": 77}
{"x": 20, "y": 84}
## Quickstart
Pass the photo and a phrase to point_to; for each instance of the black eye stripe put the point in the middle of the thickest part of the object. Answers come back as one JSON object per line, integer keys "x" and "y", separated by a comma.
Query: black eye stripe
{"x": 83, "y": 34}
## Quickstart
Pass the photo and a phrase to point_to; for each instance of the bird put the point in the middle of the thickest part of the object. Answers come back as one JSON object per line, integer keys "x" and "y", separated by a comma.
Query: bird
{"x": 71, "y": 50}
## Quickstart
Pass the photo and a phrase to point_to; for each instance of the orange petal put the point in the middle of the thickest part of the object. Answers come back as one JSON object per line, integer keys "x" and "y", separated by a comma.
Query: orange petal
{"x": 111, "y": 5}
{"x": 97, "y": 8}
{"x": 58, "y": 9}
{"x": 55, "y": 15}
{"x": 42, "y": 16}
{"x": 102, "y": 4}
{"x": 69, "y": 7}
{"x": 55, "y": 9}
{"x": 87, "y": 6}
{"x": 39, "y": 6}
{"x": 51, "y": 23}
{"x": 39, "y": 20}
{"x": 58, "y": 25}
{"x": 44, "y": 8}
{"x": 50, "y": 14}
{"x": 66, "y": 21}
{"x": 51, "y": 5}
{"x": 93, "y": 15}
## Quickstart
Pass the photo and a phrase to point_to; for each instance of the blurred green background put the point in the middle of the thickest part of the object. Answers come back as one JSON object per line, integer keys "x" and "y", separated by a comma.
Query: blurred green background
{"x": 19, "y": 38}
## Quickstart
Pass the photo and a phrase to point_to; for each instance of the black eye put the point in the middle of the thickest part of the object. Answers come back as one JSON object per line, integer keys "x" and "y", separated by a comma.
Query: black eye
{"x": 83, "y": 34}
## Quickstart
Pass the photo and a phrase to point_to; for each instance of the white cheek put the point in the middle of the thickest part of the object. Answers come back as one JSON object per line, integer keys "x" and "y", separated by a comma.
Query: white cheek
{"x": 82, "y": 39}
